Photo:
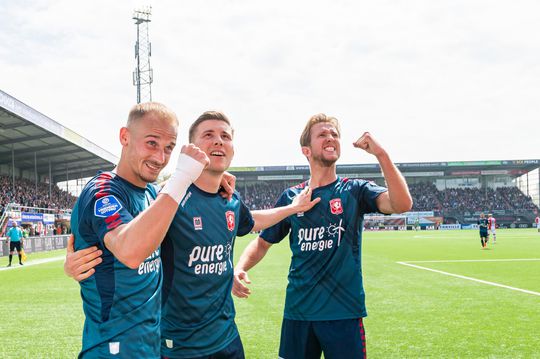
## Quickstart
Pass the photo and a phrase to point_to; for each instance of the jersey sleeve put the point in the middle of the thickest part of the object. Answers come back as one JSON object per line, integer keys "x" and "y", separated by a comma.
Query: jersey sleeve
{"x": 278, "y": 231}
{"x": 367, "y": 196}
{"x": 246, "y": 222}
{"x": 106, "y": 211}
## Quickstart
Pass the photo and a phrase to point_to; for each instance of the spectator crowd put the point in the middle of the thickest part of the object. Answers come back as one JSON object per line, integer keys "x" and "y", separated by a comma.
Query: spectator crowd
{"x": 426, "y": 197}
{"x": 25, "y": 194}
{"x": 263, "y": 195}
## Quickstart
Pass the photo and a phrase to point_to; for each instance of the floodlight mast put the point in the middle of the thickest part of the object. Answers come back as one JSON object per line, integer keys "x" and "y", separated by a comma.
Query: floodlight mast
{"x": 143, "y": 74}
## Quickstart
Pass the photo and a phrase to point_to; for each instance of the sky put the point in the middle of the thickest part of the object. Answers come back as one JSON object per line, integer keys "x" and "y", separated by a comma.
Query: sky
{"x": 431, "y": 80}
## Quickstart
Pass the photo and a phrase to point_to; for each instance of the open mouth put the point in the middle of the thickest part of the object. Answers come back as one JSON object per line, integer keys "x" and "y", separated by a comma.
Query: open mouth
{"x": 217, "y": 154}
{"x": 153, "y": 167}
{"x": 330, "y": 148}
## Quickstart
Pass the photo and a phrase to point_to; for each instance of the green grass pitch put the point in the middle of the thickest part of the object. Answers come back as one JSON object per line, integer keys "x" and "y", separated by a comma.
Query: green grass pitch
{"x": 413, "y": 312}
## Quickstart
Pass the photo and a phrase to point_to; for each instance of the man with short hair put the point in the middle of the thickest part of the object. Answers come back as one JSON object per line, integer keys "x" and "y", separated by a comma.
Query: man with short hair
{"x": 15, "y": 242}
{"x": 198, "y": 309}
{"x": 324, "y": 303}
{"x": 120, "y": 213}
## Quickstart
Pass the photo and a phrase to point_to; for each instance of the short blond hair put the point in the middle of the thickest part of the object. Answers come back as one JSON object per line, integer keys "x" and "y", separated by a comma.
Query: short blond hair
{"x": 305, "y": 137}
{"x": 142, "y": 109}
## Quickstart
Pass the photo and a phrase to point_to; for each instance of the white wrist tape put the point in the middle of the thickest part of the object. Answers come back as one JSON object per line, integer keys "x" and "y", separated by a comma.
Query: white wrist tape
{"x": 187, "y": 171}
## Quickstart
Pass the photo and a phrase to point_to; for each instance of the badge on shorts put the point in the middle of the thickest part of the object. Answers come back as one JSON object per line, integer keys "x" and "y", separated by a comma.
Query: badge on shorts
{"x": 229, "y": 216}
{"x": 114, "y": 348}
{"x": 107, "y": 206}
{"x": 335, "y": 206}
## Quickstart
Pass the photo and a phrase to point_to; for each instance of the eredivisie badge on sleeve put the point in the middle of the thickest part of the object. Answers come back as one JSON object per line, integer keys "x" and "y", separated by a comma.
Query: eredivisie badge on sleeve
{"x": 229, "y": 216}
{"x": 335, "y": 206}
{"x": 107, "y": 206}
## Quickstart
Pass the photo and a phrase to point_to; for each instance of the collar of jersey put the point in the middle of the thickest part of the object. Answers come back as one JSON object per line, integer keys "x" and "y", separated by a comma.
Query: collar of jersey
{"x": 325, "y": 186}
{"x": 204, "y": 193}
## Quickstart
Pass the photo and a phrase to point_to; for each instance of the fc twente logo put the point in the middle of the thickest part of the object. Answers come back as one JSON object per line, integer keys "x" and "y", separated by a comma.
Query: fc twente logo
{"x": 335, "y": 206}
{"x": 229, "y": 216}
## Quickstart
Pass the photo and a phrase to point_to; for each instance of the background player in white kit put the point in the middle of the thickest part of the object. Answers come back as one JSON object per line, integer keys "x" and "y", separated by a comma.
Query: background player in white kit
{"x": 492, "y": 225}
{"x": 537, "y": 221}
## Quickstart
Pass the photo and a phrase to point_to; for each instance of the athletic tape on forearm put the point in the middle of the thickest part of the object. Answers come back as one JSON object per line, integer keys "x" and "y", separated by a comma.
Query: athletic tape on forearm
{"x": 187, "y": 171}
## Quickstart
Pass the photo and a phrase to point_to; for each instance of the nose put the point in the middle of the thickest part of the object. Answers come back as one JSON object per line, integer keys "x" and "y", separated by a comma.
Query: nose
{"x": 218, "y": 141}
{"x": 159, "y": 156}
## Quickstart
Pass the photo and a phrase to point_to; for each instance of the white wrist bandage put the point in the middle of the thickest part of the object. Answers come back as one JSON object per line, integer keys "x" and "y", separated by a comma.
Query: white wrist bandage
{"x": 187, "y": 171}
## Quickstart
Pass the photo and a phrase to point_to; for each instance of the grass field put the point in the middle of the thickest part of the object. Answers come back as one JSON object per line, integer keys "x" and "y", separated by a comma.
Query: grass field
{"x": 413, "y": 312}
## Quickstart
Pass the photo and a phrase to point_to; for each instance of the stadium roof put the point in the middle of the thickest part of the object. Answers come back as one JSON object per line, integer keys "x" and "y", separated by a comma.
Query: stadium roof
{"x": 513, "y": 168}
{"x": 30, "y": 133}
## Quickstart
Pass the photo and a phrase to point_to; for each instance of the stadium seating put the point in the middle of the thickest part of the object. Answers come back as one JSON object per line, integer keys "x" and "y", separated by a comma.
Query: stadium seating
{"x": 26, "y": 195}
{"x": 426, "y": 197}
{"x": 263, "y": 195}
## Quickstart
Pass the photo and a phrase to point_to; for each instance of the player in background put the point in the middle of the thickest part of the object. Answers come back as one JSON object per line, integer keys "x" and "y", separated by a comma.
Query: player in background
{"x": 325, "y": 304}
{"x": 492, "y": 226}
{"x": 537, "y": 221}
{"x": 120, "y": 213}
{"x": 483, "y": 227}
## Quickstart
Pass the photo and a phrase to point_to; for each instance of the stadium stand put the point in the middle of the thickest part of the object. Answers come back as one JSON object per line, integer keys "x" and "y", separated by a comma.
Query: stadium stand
{"x": 453, "y": 192}
{"x": 26, "y": 195}
{"x": 36, "y": 154}
{"x": 263, "y": 195}
{"x": 426, "y": 197}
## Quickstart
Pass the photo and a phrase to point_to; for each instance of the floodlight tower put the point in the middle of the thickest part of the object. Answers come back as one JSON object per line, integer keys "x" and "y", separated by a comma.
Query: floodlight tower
{"x": 143, "y": 75}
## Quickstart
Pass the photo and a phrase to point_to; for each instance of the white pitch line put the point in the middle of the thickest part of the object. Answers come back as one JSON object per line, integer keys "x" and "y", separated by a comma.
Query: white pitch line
{"x": 477, "y": 260}
{"x": 16, "y": 265}
{"x": 470, "y": 278}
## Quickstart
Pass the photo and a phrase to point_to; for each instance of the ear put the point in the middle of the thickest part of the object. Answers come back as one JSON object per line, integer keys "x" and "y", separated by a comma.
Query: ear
{"x": 124, "y": 136}
{"x": 306, "y": 151}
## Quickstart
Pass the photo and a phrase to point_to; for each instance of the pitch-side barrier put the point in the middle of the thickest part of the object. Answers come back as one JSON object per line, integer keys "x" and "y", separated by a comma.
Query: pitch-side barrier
{"x": 38, "y": 244}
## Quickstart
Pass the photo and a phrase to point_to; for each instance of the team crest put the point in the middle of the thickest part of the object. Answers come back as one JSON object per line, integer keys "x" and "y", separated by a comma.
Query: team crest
{"x": 197, "y": 223}
{"x": 335, "y": 206}
{"x": 229, "y": 216}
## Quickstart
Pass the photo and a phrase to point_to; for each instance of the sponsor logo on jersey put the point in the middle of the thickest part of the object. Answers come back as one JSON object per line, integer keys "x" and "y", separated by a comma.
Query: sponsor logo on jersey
{"x": 210, "y": 259}
{"x": 107, "y": 206}
{"x": 197, "y": 223}
{"x": 229, "y": 216}
{"x": 335, "y": 206}
{"x": 150, "y": 264}
{"x": 320, "y": 238}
